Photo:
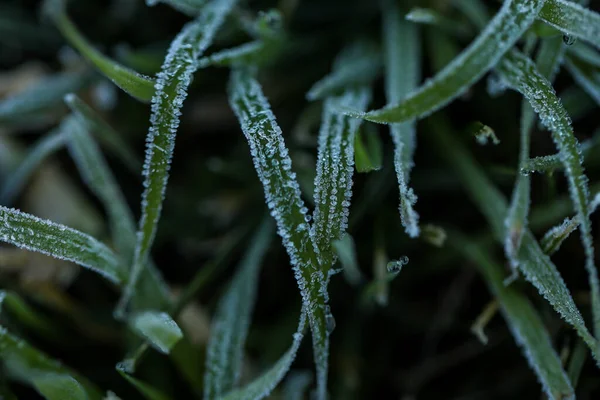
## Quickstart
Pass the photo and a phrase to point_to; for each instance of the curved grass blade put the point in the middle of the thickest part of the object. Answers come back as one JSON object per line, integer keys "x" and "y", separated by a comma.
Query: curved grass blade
{"x": 145, "y": 389}
{"x": 536, "y": 267}
{"x": 548, "y": 60}
{"x": 53, "y": 381}
{"x": 335, "y": 167}
{"x": 402, "y": 74}
{"x": 524, "y": 323}
{"x": 189, "y": 7}
{"x": 158, "y": 328}
{"x": 520, "y": 73}
{"x": 586, "y": 76}
{"x": 104, "y": 132}
{"x": 549, "y": 164}
{"x": 42, "y": 96}
{"x": 573, "y": 20}
{"x": 232, "y": 320}
{"x": 262, "y": 386}
{"x": 355, "y": 66}
{"x": 137, "y": 85}
{"x": 32, "y": 233}
{"x": 480, "y": 56}
{"x": 39, "y": 152}
{"x": 282, "y": 193}
{"x": 171, "y": 90}
{"x": 27, "y": 316}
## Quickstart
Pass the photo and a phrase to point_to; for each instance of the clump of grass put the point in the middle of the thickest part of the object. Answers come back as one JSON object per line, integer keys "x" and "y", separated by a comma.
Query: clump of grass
{"x": 193, "y": 225}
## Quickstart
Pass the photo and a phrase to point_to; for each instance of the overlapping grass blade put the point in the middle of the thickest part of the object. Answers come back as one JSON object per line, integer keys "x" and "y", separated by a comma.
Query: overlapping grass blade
{"x": 232, "y": 320}
{"x": 355, "y": 66}
{"x": 137, "y": 85}
{"x": 335, "y": 167}
{"x": 524, "y": 322}
{"x": 158, "y": 328}
{"x": 586, "y": 77}
{"x": 189, "y": 7}
{"x": 38, "y": 153}
{"x": 502, "y": 32}
{"x": 262, "y": 386}
{"x": 345, "y": 250}
{"x": 171, "y": 90}
{"x": 548, "y": 60}
{"x": 521, "y": 74}
{"x": 145, "y": 389}
{"x": 535, "y": 266}
{"x": 572, "y": 19}
{"x": 47, "y": 376}
{"x": 282, "y": 193}
{"x": 42, "y": 96}
{"x": 59, "y": 241}
{"x": 104, "y": 132}
{"x": 402, "y": 74}
{"x": 368, "y": 150}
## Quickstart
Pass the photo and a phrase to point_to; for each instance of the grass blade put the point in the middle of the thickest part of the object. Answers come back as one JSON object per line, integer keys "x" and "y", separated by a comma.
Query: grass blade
{"x": 146, "y": 390}
{"x": 47, "y": 376}
{"x": 576, "y": 363}
{"x": 27, "y": 316}
{"x": 39, "y": 152}
{"x": 586, "y": 77}
{"x": 262, "y": 386}
{"x": 548, "y": 60}
{"x": 282, "y": 193}
{"x": 345, "y": 250}
{"x": 104, "y": 132}
{"x": 537, "y": 268}
{"x": 137, "y": 85}
{"x": 520, "y": 73}
{"x": 171, "y": 90}
{"x": 158, "y": 328}
{"x": 480, "y": 56}
{"x": 573, "y": 20}
{"x": 549, "y": 164}
{"x": 355, "y": 66}
{"x": 189, "y": 7}
{"x": 32, "y": 233}
{"x": 42, "y": 96}
{"x": 232, "y": 320}
{"x": 524, "y": 322}
{"x": 368, "y": 150}
{"x": 402, "y": 74}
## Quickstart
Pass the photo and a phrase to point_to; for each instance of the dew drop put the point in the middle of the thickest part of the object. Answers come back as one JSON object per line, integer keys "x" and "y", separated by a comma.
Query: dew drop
{"x": 395, "y": 266}
{"x": 569, "y": 40}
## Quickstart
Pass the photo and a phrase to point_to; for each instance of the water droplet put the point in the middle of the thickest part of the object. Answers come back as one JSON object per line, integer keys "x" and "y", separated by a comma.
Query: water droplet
{"x": 329, "y": 320}
{"x": 395, "y": 266}
{"x": 569, "y": 40}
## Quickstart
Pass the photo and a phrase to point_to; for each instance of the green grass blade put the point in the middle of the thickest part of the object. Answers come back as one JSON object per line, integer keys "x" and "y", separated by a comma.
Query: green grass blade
{"x": 137, "y": 85}
{"x": 474, "y": 10}
{"x": 368, "y": 150}
{"x": 42, "y": 96}
{"x": 402, "y": 74}
{"x": 521, "y": 74}
{"x": 335, "y": 167}
{"x": 104, "y": 132}
{"x": 26, "y": 315}
{"x": 253, "y": 53}
{"x": 145, "y": 389}
{"x": 39, "y": 152}
{"x": 355, "y": 66}
{"x": 47, "y": 376}
{"x": 296, "y": 385}
{"x": 282, "y": 193}
{"x": 548, "y": 60}
{"x": 345, "y": 250}
{"x": 573, "y": 20}
{"x": 171, "y": 90}
{"x": 586, "y": 76}
{"x": 232, "y": 320}
{"x": 524, "y": 322}
{"x": 480, "y": 56}
{"x": 189, "y": 7}
{"x": 585, "y": 53}
{"x": 549, "y": 164}
{"x": 536, "y": 267}
{"x": 428, "y": 16}
{"x": 32, "y": 233}
{"x": 158, "y": 328}
{"x": 262, "y": 386}
{"x": 576, "y": 362}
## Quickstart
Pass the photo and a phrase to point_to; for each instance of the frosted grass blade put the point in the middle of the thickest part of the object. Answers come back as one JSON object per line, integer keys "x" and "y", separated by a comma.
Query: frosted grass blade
{"x": 189, "y": 7}
{"x": 158, "y": 328}
{"x": 230, "y": 325}
{"x": 586, "y": 76}
{"x": 104, "y": 132}
{"x": 172, "y": 83}
{"x": 549, "y": 164}
{"x": 296, "y": 385}
{"x": 137, "y": 85}
{"x": 520, "y": 73}
{"x": 262, "y": 386}
{"x": 368, "y": 150}
{"x": 355, "y": 66}
{"x": 335, "y": 167}
{"x": 252, "y": 53}
{"x": 525, "y": 324}
{"x": 548, "y": 60}
{"x": 39, "y": 152}
{"x": 402, "y": 74}
{"x": 42, "y": 96}
{"x": 282, "y": 192}
{"x": 32, "y": 233}
{"x": 536, "y": 267}
{"x": 47, "y": 376}
{"x": 573, "y": 20}
{"x": 503, "y": 31}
